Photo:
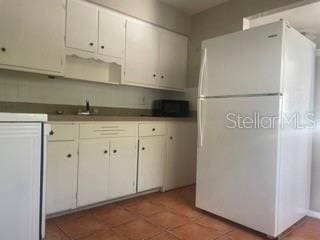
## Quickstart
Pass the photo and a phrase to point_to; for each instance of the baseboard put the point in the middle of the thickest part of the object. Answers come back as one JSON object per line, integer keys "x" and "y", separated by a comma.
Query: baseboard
{"x": 314, "y": 214}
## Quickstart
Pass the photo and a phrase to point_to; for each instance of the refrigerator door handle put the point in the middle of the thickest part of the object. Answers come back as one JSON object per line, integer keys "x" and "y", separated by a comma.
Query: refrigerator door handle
{"x": 202, "y": 68}
{"x": 200, "y": 122}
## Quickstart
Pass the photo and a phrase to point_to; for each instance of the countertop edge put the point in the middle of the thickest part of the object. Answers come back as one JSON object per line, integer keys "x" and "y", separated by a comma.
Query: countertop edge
{"x": 72, "y": 118}
{"x": 23, "y": 117}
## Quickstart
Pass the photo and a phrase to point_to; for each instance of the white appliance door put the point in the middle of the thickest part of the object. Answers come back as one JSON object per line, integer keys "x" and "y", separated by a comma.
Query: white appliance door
{"x": 242, "y": 63}
{"x": 20, "y": 181}
{"x": 237, "y": 167}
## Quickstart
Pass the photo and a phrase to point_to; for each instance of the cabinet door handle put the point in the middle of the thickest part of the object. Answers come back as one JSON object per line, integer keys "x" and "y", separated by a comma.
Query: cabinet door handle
{"x": 114, "y": 151}
{"x": 3, "y": 49}
{"x": 105, "y": 151}
{"x": 102, "y": 47}
{"x": 91, "y": 44}
{"x": 143, "y": 148}
{"x": 69, "y": 155}
{"x": 171, "y": 138}
{"x": 162, "y": 77}
{"x": 51, "y": 133}
{"x": 154, "y": 75}
{"x": 153, "y": 129}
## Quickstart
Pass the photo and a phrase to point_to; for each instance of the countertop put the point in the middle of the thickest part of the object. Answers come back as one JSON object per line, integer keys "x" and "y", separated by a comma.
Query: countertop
{"x": 23, "y": 117}
{"x": 97, "y": 118}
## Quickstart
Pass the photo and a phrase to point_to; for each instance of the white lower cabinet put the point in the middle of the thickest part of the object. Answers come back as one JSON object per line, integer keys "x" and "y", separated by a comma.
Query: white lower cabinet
{"x": 90, "y": 163}
{"x": 152, "y": 153}
{"x": 62, "y": 167}
{"x": 123, "y": 167}
{"x": 181, "y": 154}
{"x": 93, "y": 171}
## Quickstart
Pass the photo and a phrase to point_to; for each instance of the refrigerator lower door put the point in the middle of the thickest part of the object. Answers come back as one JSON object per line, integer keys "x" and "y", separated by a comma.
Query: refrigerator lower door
{"x": 20, "y": 181}
{"x": 237, "y": 167}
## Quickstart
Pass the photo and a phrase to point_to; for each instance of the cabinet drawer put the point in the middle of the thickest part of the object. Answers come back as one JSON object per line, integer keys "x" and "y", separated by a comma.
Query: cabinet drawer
{"x": 106, "y": 130}
{"x": 152, "y": 129}
{"x": 63, "y": 132}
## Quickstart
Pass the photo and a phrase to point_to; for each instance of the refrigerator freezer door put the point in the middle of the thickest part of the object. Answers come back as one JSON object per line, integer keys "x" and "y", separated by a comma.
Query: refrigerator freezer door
{"x": 237, "y": 168}
{"x": 243, "y": 63}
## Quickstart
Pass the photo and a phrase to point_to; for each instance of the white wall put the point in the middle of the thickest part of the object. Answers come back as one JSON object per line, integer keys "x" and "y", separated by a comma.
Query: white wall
{"x": 37, "y": 88}
{"x": 152, "y": 11}
{"x": 315, "y": 186}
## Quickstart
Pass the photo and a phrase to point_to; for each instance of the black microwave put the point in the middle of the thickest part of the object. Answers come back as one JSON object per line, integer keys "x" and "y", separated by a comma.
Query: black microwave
{"x": 170, "y": 108}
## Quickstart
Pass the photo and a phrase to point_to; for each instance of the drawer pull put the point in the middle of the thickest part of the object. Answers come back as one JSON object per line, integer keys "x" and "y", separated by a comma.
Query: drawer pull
{"x": 114, "y": 151}
{"x": 69, "y": 155}
{"x": 171, "y": 138}
{"x": 143, "y": 148}
{"x": 153, "y": 129}
{"x": 51, "y": 133}
{"x": 105, "y": 152}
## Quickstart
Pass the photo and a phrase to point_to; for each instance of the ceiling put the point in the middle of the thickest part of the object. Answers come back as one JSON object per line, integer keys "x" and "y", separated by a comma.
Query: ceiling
{"x": 304, "y": 18}
{"x": 193, "y": 6}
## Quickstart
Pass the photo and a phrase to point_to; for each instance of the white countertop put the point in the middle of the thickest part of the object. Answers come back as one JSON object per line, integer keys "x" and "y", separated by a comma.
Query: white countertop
{"x": 23, "y": 117}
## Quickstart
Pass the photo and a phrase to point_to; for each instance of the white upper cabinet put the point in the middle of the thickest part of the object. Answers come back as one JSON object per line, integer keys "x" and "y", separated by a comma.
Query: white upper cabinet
{"x": 154, "y": 57}
{"x": 94, "y": 32}
{"x": 32, "y": 35}
{"x": 82, "y": 26}
{"x": 173, "y": 60}
{"x": 111, "y": 34}
{"x": 142, "y": 54}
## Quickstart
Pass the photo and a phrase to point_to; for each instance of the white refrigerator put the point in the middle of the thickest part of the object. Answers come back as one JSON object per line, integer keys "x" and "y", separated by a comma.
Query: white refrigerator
{"x": 252, "y": 167}
{"x": 23, "y": 140}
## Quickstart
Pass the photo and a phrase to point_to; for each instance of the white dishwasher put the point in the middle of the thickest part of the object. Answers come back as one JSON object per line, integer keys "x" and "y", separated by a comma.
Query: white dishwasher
{"x": 23, "y": 140}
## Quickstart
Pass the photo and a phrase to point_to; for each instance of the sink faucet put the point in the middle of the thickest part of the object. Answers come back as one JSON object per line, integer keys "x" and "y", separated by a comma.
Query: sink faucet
{"x": 87, "y": 106}
{"x": 87, "y": 111}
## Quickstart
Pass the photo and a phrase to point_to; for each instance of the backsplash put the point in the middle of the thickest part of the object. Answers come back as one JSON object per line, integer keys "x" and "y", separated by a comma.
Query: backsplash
{"x": 37, "y": 88}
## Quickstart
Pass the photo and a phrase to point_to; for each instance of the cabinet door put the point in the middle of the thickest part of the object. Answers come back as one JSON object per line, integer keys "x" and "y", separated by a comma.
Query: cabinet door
{"x": 93, "y": 171}
{"x": 32, "y": 34}
{"x": 173, "y": 60}
{"x": 123, "y": 167}
{"x": 151, "y": 162}
{"x": 142, "y": 54}
{"x": 111, "y": 34}
{"x": 182, "y": 154}
{"x": 62, "y": 168}
{"x": 82, "y": 26}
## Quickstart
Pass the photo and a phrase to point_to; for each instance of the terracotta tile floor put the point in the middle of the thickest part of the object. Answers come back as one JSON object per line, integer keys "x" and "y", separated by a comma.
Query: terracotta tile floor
{"x": 160, "y": 216}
